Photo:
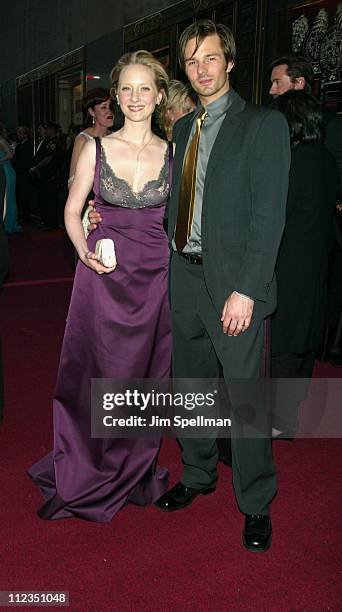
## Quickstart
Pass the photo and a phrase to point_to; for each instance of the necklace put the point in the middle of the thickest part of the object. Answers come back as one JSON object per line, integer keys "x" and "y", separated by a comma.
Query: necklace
{"x": 137, "y": 160}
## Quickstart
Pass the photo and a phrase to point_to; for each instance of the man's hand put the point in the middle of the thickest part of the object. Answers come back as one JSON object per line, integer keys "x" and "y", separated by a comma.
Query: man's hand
{"x": 93, "y": 217}
{"x": 34, "y": 171}
{"x": 236, "y": 314}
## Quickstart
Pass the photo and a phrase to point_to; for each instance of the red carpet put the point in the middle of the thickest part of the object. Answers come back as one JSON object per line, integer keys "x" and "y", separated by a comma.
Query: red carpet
{"x": 37, "y": 255}
{"x": 146, "y": 560}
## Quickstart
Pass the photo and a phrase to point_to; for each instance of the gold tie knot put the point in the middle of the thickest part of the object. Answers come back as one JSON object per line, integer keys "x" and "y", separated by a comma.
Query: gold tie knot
{"x": 202, "y": 115}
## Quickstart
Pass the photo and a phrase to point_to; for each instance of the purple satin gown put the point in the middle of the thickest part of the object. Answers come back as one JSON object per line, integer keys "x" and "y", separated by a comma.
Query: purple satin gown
{"x": 118, "y": 326}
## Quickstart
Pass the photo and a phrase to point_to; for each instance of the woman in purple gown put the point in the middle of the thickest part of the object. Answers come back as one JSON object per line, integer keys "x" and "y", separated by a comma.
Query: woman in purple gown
{"x": 118, "y": 324}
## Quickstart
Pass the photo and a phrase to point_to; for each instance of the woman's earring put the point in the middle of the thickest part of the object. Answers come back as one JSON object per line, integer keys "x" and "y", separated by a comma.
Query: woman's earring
{"x": 93, "y": 120}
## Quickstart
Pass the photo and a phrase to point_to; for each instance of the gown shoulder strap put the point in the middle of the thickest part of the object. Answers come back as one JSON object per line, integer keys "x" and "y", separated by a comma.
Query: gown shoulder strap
{"x": 96, "y": 186}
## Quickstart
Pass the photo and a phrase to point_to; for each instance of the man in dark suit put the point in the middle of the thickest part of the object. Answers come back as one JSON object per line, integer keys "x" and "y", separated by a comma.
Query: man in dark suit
{"x": 295, "y": 72}
{"x": 222, "y": 267}
{"x": 22, "y": 162}
{"x": 47, "y": 174}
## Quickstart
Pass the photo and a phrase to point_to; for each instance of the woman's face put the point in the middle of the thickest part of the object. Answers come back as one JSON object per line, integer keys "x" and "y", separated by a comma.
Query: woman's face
{"x": 177, "y": 111}
{"x": 137, "y": 92}
{"x": 103, "y": 114}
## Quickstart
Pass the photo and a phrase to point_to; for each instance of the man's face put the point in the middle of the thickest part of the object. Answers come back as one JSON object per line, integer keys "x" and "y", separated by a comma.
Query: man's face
{"x": 41, "y": 131}
{"x": 21, "y": 134}
{"x": 281, "y": 82}
{"x": 51, "y": 132}
{"x": 207, "y": 69}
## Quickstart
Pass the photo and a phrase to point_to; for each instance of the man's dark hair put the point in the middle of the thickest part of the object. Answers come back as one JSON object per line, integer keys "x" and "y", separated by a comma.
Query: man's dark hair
{"x": 200, "y": 30}
{"x": 297, "y": 66}
{"x": 52, "y": 124}
{"x": 303, "y": 114}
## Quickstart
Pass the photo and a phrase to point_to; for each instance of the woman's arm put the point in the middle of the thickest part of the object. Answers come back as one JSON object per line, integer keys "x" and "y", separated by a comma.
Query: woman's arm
{"x": 79, "y": 143}
{"x": 8, "y": 153}
{"x": 83, "y": 182}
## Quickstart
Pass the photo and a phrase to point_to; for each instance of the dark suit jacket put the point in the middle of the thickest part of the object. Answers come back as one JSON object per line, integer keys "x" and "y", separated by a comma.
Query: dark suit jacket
{"x": 23, "y": 157}
{"x": 302, "y": 266}
{"x": 244, "y": 202}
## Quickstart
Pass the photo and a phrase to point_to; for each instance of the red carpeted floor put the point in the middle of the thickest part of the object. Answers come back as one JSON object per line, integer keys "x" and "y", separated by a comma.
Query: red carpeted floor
{"x": 144, "y": 559}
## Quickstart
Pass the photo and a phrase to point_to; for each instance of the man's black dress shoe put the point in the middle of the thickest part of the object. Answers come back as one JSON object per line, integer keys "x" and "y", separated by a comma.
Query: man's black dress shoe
{"x": 179, "y": 497}
{"x": 257, "y": 534}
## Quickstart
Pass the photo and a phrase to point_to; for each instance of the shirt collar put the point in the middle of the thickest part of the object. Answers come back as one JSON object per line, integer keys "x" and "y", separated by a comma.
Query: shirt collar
{"x": 220, "y": 106}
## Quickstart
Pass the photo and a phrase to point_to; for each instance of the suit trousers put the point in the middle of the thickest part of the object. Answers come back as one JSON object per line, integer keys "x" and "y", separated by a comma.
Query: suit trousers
{"x": 202, "y": 350}
{"x": 292, "y": 373}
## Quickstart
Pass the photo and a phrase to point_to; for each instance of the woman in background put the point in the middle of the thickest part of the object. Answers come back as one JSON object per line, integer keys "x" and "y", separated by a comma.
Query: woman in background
{"x": 10, "y": 208}
{"x": 99, "y": 116}
{"x": 302, "y": 266}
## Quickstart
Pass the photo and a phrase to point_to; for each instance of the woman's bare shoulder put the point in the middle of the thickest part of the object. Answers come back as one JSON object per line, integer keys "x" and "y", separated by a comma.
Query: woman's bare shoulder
{"x": 88, "y": 149}
{"x": 84, "y": 137}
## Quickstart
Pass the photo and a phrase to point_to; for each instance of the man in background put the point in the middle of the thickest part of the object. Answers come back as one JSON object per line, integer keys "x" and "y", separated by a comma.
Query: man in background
{"x": 22, "y": 162}
{"x": 295, "y": 72}
{"x": 47, "y": 172}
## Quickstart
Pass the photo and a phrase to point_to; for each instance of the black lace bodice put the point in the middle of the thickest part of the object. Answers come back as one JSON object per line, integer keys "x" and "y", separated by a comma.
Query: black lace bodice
{"x": 118, "y": 191}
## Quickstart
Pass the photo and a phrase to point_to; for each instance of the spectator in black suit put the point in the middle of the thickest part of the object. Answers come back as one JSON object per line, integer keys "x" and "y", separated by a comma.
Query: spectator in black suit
{"x": 295, "y": 72}
{"x": 302, "y": 265}
{"x": 47, "y": 173}
{"x": 22, "y": 162}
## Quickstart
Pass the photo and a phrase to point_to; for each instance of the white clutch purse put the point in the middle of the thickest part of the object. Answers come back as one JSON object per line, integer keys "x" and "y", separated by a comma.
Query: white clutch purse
{"x": 85, "y": 220}
{"x": 106, "y": 252}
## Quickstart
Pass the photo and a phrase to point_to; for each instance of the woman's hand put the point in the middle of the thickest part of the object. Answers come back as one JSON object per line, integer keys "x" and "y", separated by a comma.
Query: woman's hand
{"x": 90, "y": 259}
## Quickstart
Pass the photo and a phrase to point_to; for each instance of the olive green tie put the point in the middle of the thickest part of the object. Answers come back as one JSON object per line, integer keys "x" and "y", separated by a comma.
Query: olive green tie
{"x": 188, "y": 187}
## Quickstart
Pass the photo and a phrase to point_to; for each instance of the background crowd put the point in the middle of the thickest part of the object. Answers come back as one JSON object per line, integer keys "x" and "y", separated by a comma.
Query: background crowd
{"x": 39, "y": 173}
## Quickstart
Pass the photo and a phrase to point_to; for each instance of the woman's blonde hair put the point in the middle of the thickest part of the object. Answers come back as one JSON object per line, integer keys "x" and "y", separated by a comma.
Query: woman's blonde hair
{"x": 178, "y": 96}
{"x": 143, "y": 58}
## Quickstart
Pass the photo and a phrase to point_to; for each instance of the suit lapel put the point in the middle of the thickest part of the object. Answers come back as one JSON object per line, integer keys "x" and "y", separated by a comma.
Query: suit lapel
{"x": 226, "y": 134}
{"x": 181, "y": 144}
